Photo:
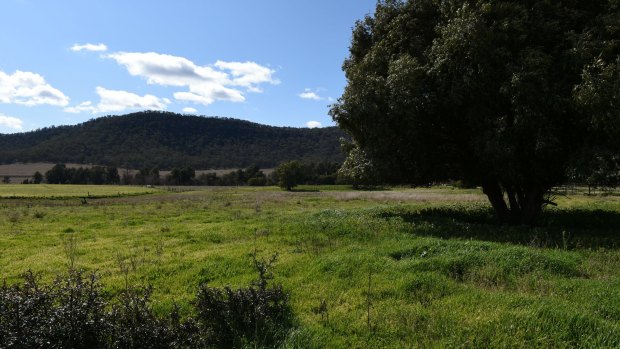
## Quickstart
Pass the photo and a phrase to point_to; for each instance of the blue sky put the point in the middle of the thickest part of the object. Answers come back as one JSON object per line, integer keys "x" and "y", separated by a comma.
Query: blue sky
{"x": 274, "y": 62}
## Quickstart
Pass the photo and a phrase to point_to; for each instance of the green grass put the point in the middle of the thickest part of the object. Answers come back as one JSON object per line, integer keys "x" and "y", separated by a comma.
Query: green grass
{"x": 54, "y": 191}
{"x": 441, "y": 273}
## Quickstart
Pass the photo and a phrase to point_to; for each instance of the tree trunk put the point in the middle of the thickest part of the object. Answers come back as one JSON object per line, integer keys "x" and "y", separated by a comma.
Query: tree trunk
{"x": 496, "y": 196}
{"x": 514, "y": 205}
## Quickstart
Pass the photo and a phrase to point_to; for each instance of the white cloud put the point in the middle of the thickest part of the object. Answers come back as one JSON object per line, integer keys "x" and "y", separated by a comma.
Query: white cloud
{"x": 89, "y": 47}
{"x": 115, "y": 101}
{"x": 11, "y": 122}
{"x": 310, "y": 95}
{"x": 314, "y": 95}
{"x": 29, "y": 89}
{"x": 205, "y": 84}
{"x": 313, "y": 124}
{"x": 189, "y": 110}
{"x": 248, "y": 74}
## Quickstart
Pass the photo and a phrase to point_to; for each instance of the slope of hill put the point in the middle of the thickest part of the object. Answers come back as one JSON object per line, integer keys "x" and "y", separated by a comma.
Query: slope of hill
{"x": 165, "y": 139}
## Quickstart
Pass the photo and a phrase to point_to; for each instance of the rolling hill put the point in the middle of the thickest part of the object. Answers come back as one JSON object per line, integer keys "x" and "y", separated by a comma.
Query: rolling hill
{"x": 165, "y": 139}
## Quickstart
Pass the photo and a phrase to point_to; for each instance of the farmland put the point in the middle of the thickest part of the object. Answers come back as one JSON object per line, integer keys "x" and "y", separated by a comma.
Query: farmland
{"x": 392, "y": 268}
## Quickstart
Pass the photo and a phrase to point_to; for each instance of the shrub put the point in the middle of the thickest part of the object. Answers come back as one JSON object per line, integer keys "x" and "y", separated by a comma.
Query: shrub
{"x": 69, "y": 313}
{"x": 235, "y": 317}
{"x": 73, "y": 312}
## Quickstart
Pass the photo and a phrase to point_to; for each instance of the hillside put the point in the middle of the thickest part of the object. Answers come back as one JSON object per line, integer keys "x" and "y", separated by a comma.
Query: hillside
{"x": 164, "y": 139}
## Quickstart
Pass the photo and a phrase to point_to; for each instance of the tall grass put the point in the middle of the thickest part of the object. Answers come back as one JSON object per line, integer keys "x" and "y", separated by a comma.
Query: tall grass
{"x": 442, "y": 274}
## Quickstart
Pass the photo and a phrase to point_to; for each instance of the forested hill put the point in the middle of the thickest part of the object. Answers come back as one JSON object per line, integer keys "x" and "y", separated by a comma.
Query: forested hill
{"x": 165, "y": 139}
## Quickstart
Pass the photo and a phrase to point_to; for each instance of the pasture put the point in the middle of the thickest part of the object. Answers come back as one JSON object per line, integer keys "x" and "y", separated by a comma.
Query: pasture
{"x": 364, "y": 269}
{"x": 53, "y": 191}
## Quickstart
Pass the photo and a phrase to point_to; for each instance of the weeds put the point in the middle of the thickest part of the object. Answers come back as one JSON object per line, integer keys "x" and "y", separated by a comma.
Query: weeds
{"x": 258, "y": 314}
{"x": 71, "y": 252}
{"x": 13, "y": 217}
{"x": 73, "y": 312}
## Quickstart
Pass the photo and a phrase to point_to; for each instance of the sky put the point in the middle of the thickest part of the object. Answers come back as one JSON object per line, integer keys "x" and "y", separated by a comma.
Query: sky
{"x": 274, "y": 62}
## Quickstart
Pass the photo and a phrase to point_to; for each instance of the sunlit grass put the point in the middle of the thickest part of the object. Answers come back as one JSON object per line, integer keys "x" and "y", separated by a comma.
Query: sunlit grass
{"x": 67, "y": 191}
{"x": 394, "y": 268}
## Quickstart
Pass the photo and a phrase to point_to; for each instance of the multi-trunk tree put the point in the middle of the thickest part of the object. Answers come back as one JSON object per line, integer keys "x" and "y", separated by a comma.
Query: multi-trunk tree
{"x": 505, "y": 94}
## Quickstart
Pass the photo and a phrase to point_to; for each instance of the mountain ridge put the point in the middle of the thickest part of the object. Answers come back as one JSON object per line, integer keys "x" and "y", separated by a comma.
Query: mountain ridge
{"x": 167, "y": 140}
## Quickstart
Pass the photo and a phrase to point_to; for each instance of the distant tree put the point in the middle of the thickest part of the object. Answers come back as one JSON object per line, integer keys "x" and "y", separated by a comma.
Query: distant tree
{"x": 503, "y": 94}
{"x": 257, "y": 181}
{"x": 289, "y": 174}
{"x": 208, "y": 179}
{"x": 97, "y": 175}
{"x": 37, "y": 178}
{"x": 153, "y": 178}
{"x": 56, "y": 175}
{"x": 77, "y": 175}
{"x": 112, "y": 176}
{"x": 6, "y": 179}
{"x": 127, "y": 177}
{"x": 254, "y": 176}
{"x": 182, "y": 176}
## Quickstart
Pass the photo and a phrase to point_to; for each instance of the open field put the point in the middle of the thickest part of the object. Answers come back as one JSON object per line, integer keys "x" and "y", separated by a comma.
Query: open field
{"x": 377, "y": 269}
{"x": 52, "y": 191}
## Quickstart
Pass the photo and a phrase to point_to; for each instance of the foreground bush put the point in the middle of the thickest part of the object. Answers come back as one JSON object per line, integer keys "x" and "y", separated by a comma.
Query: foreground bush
{"x": 73, "y": 312}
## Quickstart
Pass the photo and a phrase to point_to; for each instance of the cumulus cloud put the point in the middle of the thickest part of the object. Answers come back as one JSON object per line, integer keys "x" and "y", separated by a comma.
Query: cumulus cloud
{"x": 10, "y": 122}
{"x": 313, "y": 95}
{"x": 310, "y": 95}
{"x": 89, "y": 47}
{"x": 248, "y": 74}
{"x": 29, "y": 89}
{"x": 115, "y": 101}
{"x": 189, "y": 110}
{"x": 313, "y": 124}
{"x": 205, "y": 84}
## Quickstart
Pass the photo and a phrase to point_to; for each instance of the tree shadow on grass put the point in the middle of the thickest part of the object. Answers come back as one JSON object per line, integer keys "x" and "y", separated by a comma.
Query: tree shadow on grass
{"x": 558, "y": 228}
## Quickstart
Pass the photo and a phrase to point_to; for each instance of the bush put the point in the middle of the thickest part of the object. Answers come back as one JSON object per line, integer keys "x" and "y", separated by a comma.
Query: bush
{"x": 73, "y": 312}
{"x": 235, "y": 317}
{"x": 69, "y": 313}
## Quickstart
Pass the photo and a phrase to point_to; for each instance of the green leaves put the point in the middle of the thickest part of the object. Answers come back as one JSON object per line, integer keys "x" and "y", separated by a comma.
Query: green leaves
{"x": 484, "y": 91}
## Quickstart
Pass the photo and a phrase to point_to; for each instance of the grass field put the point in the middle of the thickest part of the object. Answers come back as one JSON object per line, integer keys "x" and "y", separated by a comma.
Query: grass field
{"x": 379, "y": 269}
{"x": 50, "y": 191}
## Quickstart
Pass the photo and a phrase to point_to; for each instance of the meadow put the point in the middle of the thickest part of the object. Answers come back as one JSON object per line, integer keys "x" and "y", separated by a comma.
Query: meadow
{"x": 399, "y": 268}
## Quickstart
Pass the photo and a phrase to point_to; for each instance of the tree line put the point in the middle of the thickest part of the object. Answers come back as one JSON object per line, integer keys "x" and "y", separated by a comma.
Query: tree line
{"x": 290, "y": 173}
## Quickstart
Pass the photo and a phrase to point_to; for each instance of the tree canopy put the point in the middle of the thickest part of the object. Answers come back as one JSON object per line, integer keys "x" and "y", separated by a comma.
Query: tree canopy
{"x": 510, "y": 95}
{"x": 289, "y": 174}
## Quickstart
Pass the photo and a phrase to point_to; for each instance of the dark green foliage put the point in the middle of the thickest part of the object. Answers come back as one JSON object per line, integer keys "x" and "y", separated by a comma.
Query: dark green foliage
{"x": 239, "y": 316}
{"x": 72, "y": 312}
{"x": 507, "y": 95}
{"x": 133, "y": 324}
{"x": 37, "y": 178}
{"x": 168, "y": 140}
{"x": 112, "y": 175}
{"x": 321, "y": 173}
{"x": 181, "y": 176}
{"x": 60, "y": 174}
{"x": 69, "y": 313}
{"x": 149, "y": 176}
{"x": 289, "y": 174}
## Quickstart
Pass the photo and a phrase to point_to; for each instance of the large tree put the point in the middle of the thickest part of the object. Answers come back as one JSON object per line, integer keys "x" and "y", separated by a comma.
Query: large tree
{"x": 504, "y": 94}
